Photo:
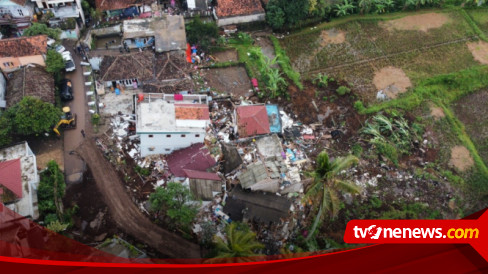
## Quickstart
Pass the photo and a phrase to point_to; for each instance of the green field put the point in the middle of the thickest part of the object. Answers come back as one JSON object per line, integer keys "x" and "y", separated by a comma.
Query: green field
{"x": 480, "y": 17}
{"x": 369, "y": 46}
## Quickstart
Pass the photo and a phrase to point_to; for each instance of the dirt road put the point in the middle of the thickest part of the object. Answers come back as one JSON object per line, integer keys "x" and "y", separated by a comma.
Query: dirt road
{"x": 73, "y": 165}
{"x": 126, "y": 214}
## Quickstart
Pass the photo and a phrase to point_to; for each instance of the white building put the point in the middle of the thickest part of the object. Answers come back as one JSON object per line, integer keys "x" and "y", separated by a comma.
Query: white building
{"x": 19, "y": 180}
{"x": 62, "y": 9}
{"x": 17, "y": 14}
{"x": 167, "y": 122}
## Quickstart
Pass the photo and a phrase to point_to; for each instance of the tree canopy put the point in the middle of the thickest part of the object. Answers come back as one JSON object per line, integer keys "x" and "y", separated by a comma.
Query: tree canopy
{"x": 201, "y": 33}
{"x": 30, "y": 116}
{"x": 175, "y": 202}
{"x": 54, "y": 62}
{"x": 50, "y": 193}
{"x": 240, "y": 242}
{"x": 39, "y": 28}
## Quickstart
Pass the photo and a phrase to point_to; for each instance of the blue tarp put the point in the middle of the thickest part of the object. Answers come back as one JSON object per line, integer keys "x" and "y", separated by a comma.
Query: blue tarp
{"x": 130, "y": 12}
{"x": 274, "y": 118}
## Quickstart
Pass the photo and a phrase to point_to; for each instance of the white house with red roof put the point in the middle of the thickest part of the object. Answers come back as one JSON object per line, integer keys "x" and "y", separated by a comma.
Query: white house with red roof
{"x": 169, "y": 122}
{"x": 19, "y": 180}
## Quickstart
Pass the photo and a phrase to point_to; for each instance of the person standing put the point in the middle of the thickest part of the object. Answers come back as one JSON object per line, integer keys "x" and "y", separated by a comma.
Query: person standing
{"x": 83, "y": 133}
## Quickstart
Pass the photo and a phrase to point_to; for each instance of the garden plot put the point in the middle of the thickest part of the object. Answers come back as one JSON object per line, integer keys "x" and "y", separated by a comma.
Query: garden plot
{"x": 226, "y": 56}
{"x": 472, "y": 111}
{"x": 231, "y": 80}
{"x": 421, "y": 22}
{"x": 480, "y": 51}
{"x": 369, "y": 46}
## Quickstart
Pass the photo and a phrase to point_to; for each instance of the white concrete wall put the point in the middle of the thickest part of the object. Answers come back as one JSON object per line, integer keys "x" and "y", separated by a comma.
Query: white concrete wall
{"x": 192, "y": 124}
{"x": 241, "y": 19}
{"x": 162, "y": 144}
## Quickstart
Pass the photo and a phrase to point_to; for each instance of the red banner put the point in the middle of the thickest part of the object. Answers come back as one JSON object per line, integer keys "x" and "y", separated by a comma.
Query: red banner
{"x": 473, "y": 232}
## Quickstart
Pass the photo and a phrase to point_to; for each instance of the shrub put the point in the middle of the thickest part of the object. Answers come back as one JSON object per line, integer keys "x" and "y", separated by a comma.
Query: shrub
{"x": 358, "y": 105}
{"x": 342, "y": 90}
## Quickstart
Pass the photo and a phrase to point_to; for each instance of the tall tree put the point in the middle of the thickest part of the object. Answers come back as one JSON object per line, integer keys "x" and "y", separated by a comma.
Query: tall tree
{"x": 31, "y": 116}
{"x": 240, "y": 242}
{"x": 39, "y": 28}
{"x": 51, "y": 192}
{"x": 326, "y": 186}
{"x": 175, "y": 202}
{"x": 54, "y": 62}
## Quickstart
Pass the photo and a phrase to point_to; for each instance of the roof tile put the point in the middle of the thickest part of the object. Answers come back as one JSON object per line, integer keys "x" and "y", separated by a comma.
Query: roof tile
{"x": 194, "y": 174}
{"x": 32, "y": 81}
{"x": 196, "y": 157}
{"x": 191, "y": 112}
{"x": 226, "y": 8}
{"x": 23, "y": 46}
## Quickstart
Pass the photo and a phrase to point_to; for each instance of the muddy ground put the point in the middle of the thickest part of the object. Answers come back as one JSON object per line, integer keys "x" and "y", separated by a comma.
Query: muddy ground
{"x": 232, "y": 80}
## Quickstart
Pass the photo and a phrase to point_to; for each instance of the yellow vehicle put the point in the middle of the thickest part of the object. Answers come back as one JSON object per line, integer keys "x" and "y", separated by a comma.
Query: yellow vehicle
{"x": 68, "y": 121}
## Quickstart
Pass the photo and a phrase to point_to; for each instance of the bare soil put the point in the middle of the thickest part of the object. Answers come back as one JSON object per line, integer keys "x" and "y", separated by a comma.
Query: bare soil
{"x": 126, "y": 214}
{"x": 480, "y": 51}
{"x": 461, "y": 158}
{"x": 226, "y": 56}
{"x": 437, "y": 112}
{"x": 392, "y": 80}
{"x": 47, "y": 149}
{"x": 421, "y": 22}
{"x": 232, "y": 80}
{"x": 332, "y": 36}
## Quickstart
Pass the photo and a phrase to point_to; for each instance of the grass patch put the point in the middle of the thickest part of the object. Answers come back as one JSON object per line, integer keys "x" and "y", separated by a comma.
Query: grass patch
{"x": 480, "y": 18}
{"x": 285, "y": 63}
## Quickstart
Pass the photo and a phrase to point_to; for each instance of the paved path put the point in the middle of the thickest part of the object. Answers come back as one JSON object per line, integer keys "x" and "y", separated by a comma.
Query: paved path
{"x": 126, "y": 214}
{"x": 73, "y": 165}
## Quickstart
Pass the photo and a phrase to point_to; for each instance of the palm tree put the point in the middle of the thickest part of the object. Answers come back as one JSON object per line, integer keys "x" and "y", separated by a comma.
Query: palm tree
{"x": 326, "y": 187}
{"x": 275, "y": 81}
{"x": 240, "y": 242}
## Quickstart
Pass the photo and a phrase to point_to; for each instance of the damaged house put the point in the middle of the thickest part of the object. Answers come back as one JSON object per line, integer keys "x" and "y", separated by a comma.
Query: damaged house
{"x": 30, "y": 80}
{"x": 252, "y": 120}
{"x": 19, "y": 180}
{"x": 124, "y": 8}
{"x": 167, "y": 122}
{"x": 126, "y": 71}
{"x": 165, "y": 33}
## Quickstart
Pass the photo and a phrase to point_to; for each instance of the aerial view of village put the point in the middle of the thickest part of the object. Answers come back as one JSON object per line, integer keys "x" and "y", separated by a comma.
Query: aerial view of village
{"x": 227, "y": 129}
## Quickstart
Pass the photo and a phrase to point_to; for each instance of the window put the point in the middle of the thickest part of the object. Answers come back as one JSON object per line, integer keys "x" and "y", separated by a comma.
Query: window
{"x": 183, "y": 135}
{"x": 197, "y": 135}
{"x": 151, "y": 148}
{"x": 20, "y": 12}
{"x": 8, "y": 64}
{"x": 150, "y": 135}
{"x": 167, "y": 149}
{"x": 168, "y": 136}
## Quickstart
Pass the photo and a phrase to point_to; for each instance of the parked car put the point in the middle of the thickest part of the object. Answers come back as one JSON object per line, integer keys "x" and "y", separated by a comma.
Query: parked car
{"x": 60, "y": 48}
{"x": 68, "y": 61}
{"x": 50, "y": 42}
{"x": 66, "y": 90}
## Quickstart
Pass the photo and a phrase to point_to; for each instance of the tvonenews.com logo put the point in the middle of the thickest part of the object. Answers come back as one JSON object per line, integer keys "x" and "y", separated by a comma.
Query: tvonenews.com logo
{"x": 374, "y": 232}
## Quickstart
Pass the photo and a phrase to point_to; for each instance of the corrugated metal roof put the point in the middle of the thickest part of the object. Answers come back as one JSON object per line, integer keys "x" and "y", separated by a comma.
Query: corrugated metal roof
{"x": 196, "y": 157}
{"x": 11, "y": 176}
{"x": 195, "y": 174}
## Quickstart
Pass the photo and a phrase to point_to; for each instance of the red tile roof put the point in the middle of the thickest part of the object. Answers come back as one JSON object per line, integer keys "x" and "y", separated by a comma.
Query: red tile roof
{"x": 191, "y": 112}
{"x": 226, "y": 8}
{"x": 11, "y": 176}
{"x": 118, "y": 4}
{"x": 252, "y": 120}
{"x": 195, "y": 157}
{"x": 194, "y": 174}
{"x": 23, "y": 46}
